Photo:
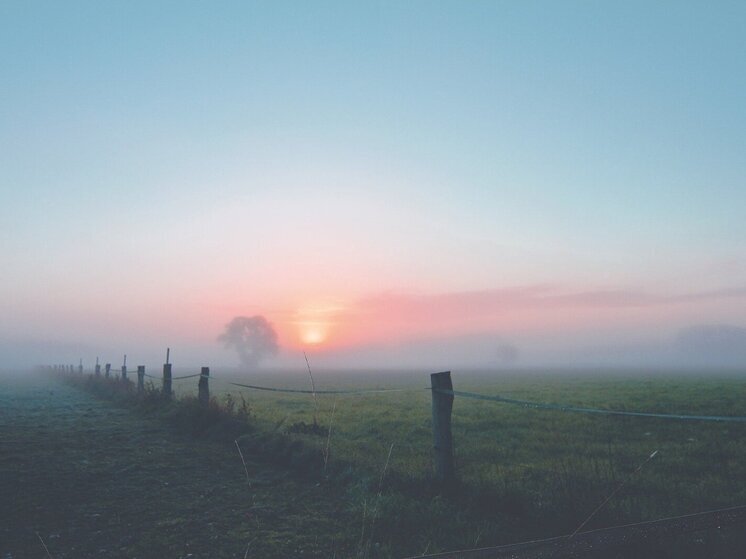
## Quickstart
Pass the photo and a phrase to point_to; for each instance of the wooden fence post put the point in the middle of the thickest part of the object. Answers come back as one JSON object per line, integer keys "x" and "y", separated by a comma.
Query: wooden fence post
{"x": 141, "y": 378}
{"x": 204, "y": 387}
{"x": 445, "y": 471}
{"x": 108, "y": 369}
{"x": 124, "y": 368}
{"x": 167, "y": 380}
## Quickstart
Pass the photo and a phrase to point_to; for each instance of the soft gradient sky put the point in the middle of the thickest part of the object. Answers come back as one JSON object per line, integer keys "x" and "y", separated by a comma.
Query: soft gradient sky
{"x": 546, "y": 176}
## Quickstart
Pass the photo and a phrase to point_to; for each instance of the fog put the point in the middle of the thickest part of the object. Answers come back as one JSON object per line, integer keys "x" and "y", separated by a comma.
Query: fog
{"x": 250, "y": 344}
{"x": 721, "y": 344}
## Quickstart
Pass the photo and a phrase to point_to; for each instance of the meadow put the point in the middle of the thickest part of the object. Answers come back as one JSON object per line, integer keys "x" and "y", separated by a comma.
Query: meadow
{"x": 523, "y": 473}
{"x": 355, "y": 471}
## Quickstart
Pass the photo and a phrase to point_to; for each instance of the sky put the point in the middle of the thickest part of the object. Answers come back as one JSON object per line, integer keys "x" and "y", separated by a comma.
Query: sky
{"x": 388, "y": 183}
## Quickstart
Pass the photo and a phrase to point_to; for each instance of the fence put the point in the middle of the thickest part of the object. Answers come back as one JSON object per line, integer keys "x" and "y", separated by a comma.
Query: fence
{"x": 580, "y": 544}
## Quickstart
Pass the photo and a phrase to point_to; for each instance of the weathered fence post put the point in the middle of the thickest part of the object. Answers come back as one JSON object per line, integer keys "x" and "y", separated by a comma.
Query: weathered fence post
{"x": 97, "y": 370}
{"x": 124, "y": 368}
{"x": 445, "y": 471}
{"x": 80, "y": 366}
{"x": 141, "y": 379}
{"x": 167, "y": 380}
{"x": 108, "y": 369}
{"x": 204, "y": 387}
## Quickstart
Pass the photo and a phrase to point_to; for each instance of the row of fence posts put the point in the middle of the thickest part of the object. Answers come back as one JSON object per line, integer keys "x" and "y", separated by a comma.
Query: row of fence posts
{"x": 203, "y": 386}
{"x": 68, "y": 368}
{"x": 442, "y": 407}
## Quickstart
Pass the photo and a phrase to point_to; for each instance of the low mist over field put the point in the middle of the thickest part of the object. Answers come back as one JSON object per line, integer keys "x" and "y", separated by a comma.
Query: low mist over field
{"x": 702, "y": 347}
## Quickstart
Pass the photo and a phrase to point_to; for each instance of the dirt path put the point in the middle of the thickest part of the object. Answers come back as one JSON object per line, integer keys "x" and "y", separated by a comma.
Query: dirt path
{"x": 91, "y": 480}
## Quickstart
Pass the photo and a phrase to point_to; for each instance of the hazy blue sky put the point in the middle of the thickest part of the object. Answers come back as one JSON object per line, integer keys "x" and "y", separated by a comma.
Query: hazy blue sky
{"x": 551, "y": 174}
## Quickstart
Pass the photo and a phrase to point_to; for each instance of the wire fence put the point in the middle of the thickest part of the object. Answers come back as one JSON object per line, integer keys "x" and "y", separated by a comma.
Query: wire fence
{"x": 335, "y": 392}
{"x": 464, "y": 394}
{"x": 598, "y": 411}
{"x": 443, "y": 396}
{"x": 491, "y": 398}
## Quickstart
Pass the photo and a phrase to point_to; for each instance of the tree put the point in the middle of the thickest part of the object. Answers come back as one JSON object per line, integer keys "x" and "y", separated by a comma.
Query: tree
{"x": 253, "y": 338}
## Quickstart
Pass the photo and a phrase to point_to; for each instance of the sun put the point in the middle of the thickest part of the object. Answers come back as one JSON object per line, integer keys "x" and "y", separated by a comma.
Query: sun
{"x": 315, "y": 322}
{"x": 313, "y": 333}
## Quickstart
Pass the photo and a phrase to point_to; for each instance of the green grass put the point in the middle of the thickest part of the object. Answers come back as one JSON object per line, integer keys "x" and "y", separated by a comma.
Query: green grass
{"x": 523, "y": 473}
{"x": 116, "y": 476}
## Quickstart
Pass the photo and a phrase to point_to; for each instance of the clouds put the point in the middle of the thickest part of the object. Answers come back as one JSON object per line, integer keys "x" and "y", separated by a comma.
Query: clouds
{"x": 499, "y": 302}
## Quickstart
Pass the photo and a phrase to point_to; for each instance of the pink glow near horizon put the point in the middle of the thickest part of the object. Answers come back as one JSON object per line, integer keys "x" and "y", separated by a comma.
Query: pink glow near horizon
{"x": 533, "y": 315}
{"x": 522, "y": 312}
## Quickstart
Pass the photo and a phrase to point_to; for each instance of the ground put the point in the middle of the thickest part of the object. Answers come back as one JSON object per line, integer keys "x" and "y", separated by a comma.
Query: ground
{"x": 120, "y": 475}
{"x": 83, "y": 478}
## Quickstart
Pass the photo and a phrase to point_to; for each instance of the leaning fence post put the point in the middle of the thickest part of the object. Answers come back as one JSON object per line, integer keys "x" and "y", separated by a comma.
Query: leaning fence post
{"x": 204, "y": 387}
{"x": 167, "y": 380}
{"x": 141, "y": 378}
{"x": 442, "y": 439}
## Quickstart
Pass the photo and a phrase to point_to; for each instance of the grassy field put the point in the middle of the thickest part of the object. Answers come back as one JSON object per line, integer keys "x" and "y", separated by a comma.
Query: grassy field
{"x": 82, "y": 476}
{"x": 523, "y": 473}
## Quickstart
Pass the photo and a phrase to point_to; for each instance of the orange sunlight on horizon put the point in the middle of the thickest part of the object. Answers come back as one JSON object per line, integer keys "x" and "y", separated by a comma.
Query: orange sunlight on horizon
{"x": 313, "y": 323}
{"x": 313, "y": 333}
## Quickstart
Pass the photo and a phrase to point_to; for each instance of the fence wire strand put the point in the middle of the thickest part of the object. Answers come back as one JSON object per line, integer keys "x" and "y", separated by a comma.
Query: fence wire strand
{"x": 289, "y": 390}
{"x": 598, "y": 411}
{"x": 475, "y": 396}
{"x": 299, "y": 391}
